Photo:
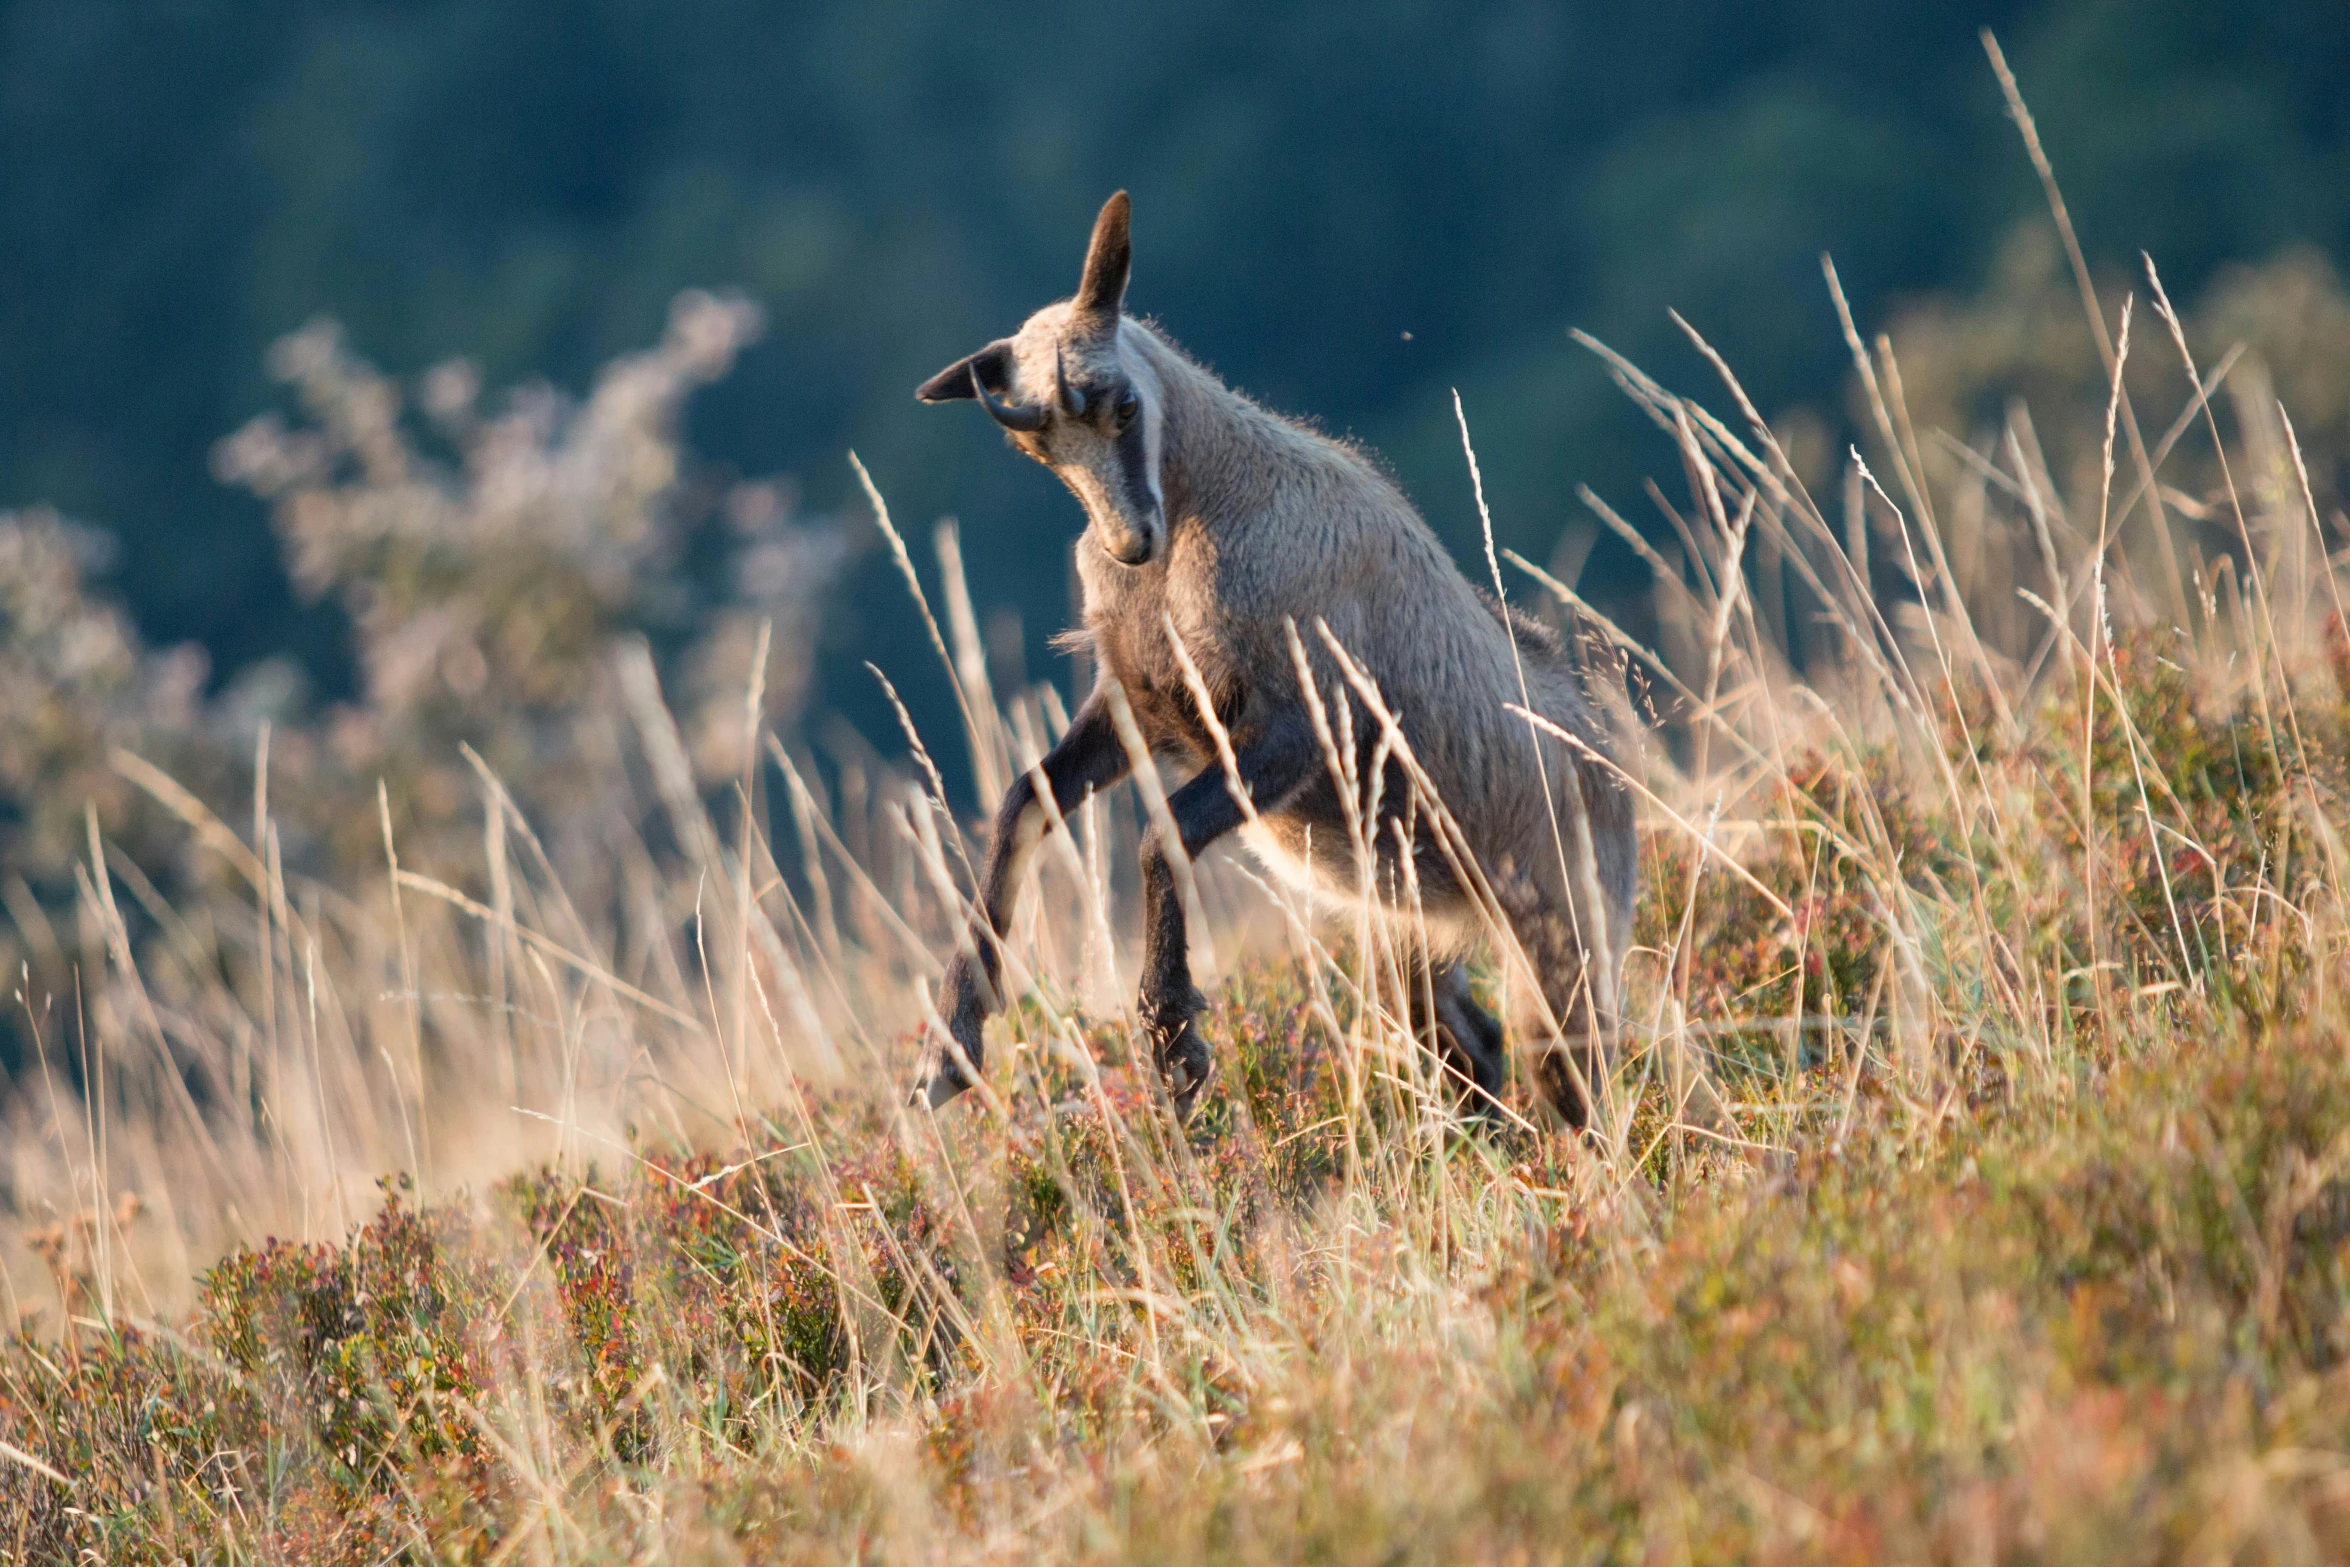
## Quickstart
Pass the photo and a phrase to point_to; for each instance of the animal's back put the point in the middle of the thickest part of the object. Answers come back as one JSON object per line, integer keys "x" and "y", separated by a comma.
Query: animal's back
{"x": 1309, "y": 529}
{"x": 1450, "y": 662}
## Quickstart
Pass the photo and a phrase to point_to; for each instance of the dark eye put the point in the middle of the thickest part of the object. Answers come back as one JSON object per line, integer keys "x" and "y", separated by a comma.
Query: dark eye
{"x": 1127, "y": 407}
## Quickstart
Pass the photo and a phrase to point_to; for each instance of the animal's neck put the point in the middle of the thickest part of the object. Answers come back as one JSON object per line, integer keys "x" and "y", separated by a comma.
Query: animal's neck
{"x": 1218, "y": 452}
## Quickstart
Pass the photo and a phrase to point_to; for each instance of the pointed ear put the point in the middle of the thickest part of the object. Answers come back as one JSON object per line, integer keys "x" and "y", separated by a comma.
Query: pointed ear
{"x": 1107, "y": 260}
{"x": 958, "y": 379}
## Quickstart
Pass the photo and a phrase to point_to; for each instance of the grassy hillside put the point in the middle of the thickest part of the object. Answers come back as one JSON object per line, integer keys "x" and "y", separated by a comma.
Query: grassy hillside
{"x": 1974, "y": 1183}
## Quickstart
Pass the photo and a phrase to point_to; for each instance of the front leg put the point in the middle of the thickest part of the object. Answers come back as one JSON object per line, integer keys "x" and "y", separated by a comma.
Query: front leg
{"x": 1272, "y": 763}
{"x": 1089, "y": 757}
{"x": 1466, "y": 1038}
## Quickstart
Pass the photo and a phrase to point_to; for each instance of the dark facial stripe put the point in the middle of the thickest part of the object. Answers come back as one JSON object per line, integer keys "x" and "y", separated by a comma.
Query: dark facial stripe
{"x": 1134, "y": 468}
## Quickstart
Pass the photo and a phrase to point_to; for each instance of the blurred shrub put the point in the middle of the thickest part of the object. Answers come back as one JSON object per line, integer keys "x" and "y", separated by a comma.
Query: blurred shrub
{"x": 2280, "y": 328}
{"x": 488, "y": 587}
{"x": 492, "y": 556}
{"x": 74, "y": 682}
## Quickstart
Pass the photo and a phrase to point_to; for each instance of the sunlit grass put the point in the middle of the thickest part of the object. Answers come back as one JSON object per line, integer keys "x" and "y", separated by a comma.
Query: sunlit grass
{"x": 1974, "y": 1183}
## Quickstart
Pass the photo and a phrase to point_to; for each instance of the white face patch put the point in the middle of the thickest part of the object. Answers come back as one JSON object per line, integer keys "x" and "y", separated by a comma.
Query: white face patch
{"x": 1112, "y": 470}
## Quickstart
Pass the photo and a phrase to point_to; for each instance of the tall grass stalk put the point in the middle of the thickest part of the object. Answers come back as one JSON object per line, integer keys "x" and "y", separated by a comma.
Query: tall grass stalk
{"x": 1973, "y": 1182}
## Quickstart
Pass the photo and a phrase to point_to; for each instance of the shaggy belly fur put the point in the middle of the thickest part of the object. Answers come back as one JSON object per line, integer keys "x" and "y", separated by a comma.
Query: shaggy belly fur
{"x": 1316, "y": 862}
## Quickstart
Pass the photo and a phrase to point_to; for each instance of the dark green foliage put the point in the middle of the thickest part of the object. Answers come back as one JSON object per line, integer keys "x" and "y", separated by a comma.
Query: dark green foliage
{"x": 531, "y": 184}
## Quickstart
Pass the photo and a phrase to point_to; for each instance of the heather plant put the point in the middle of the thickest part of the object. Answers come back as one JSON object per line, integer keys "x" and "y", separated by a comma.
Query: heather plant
{"x": 1973, "y": 1184}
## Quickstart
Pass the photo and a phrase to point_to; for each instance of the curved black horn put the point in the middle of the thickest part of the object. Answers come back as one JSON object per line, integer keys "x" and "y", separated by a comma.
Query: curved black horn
{"x": 1010, "y": 415}
{"x": 1072, "y": 400}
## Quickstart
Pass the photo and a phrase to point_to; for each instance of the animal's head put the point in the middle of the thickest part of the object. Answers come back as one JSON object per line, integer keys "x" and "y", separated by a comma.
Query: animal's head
{"x": 1076, "y": 394}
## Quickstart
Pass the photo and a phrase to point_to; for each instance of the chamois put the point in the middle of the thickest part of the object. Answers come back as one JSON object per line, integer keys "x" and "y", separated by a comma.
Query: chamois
{"x": 1274, "y": 556}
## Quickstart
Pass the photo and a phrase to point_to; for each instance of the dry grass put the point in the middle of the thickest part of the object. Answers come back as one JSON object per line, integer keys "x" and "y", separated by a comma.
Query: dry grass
{"x": 1975, "y": 1184}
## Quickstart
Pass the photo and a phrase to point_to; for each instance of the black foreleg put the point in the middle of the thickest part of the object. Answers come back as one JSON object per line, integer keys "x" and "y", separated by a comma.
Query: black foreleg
{"x": 1089, "y": 757}
{"x": 1465, "y": 1036}
{"x": 1272, "y": 763}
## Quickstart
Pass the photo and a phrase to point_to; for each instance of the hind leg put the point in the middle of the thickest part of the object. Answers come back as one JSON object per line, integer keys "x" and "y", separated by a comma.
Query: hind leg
{"x": 1466, "y": 1037}
{"x": 1569, "y": 932}
{"x": 1573, "y": 1068}
{"x": 1570, "y": 1076}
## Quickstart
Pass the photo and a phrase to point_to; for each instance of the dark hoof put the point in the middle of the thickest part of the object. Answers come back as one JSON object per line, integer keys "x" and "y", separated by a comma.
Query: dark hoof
{"x": 945, "y": 1072}
{"x": 1566, "y": 1087}
{"x": 1480, "y": 1108}
{"x": 944, "y": 1084}
{"x": 1186, "y": 1065}
{"x": 1473, "y": 1075}
{"x": 1185, "y": 1079}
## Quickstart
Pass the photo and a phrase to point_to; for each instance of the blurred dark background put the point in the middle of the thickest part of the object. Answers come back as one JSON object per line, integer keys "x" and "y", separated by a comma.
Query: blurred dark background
{"x": 1348, "y": 207}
